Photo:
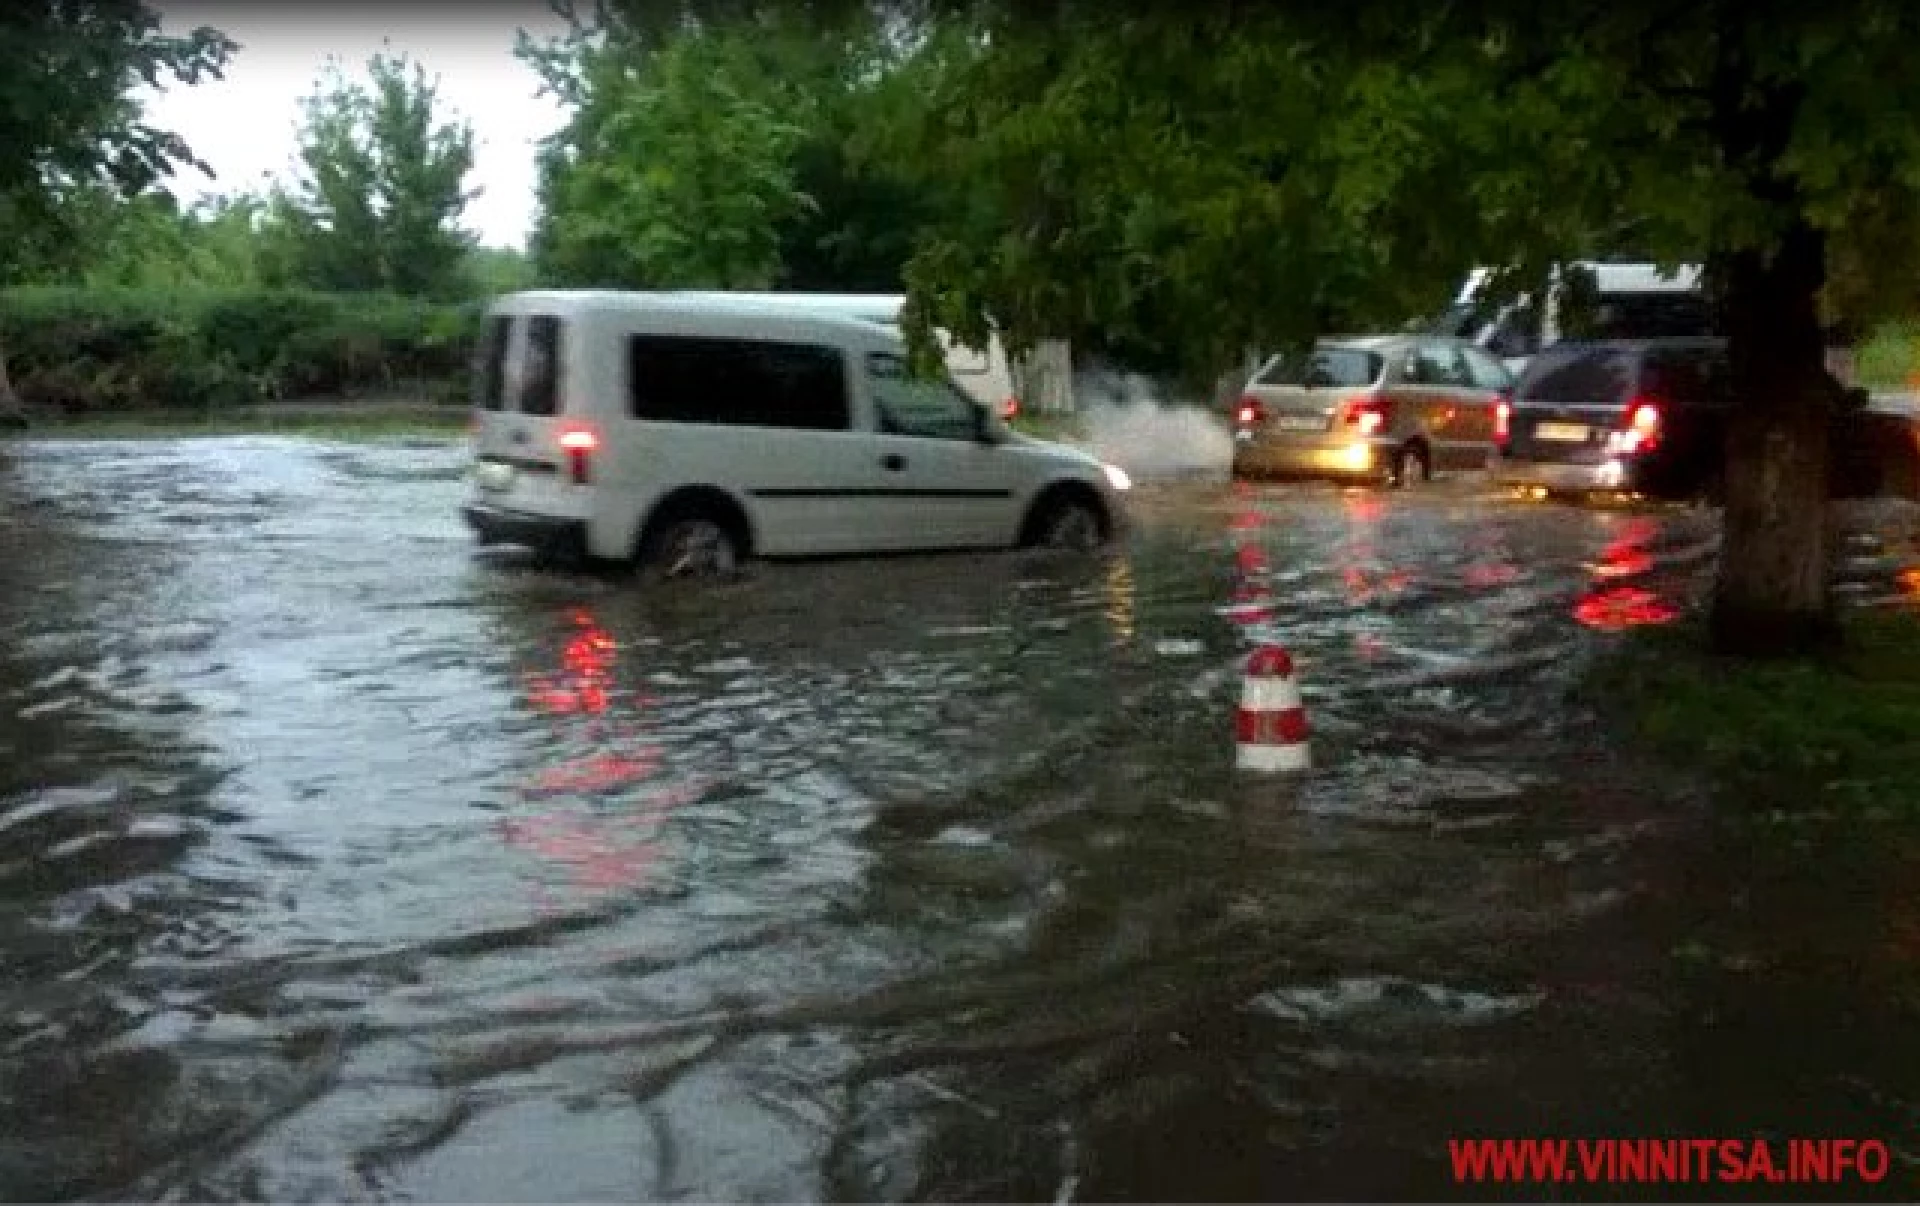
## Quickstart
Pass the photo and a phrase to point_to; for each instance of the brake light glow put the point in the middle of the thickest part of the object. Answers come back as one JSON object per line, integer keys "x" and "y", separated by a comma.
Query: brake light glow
{"x": 1502, "y": 421}
{"x": 1010, "y": 408}
{"x": 1642, "y": 430}
{"x": 1251, "y": 411}
{"x": 1368, "y": 414}
{"x": 579, "y": 444}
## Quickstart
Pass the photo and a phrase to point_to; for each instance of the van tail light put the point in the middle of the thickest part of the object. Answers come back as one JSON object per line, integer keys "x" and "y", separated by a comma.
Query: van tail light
{"x": 1642, "y": 428}
{"x": 579, "y": 444}
{"x": 1503, "y": 421}
{"x": 1369, "y": 414}
{"x": 1250, "y": 412}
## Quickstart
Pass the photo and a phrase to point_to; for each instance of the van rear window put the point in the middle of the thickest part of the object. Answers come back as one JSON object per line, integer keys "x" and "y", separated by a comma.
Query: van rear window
{"x": 490, "y": 362}
{"x": 737, "y": 382}
{"x": 540, "y": 380}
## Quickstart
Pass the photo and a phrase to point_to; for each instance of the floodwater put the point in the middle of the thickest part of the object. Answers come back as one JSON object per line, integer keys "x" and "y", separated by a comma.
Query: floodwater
{"x": 339, "y": 861}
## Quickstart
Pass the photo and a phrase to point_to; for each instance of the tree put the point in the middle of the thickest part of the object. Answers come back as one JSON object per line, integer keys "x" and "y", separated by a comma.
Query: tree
{"x": 1255, "y": 178}
{"x": 379, "y": 199}
{"x": 672, "y": 173}
{"x": 67, "y": 117}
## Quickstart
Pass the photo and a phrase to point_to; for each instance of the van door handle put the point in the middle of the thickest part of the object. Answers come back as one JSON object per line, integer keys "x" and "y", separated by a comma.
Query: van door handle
{"x": 893, "y": 462}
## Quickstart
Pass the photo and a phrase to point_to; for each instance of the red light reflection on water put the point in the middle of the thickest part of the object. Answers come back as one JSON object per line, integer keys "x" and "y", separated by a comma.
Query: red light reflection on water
{"x": 1615, "y": 606}
{"x": 1620, "y": 607}
{"x": 615, "y": 847}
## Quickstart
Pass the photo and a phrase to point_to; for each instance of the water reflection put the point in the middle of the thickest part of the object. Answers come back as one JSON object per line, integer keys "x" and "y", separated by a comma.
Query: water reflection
{"x": 1120, "y": 599}
{"x": 604, "y": 809}
{"x": 1614, "y": 605}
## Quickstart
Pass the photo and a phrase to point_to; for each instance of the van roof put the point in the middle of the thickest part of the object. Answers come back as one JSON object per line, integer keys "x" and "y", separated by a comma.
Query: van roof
{"x": 638, "y": 302}
{"x": 1610, "y": 277}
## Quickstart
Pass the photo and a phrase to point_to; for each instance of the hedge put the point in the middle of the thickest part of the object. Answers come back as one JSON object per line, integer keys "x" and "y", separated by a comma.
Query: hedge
{"x": 82, "y": 351}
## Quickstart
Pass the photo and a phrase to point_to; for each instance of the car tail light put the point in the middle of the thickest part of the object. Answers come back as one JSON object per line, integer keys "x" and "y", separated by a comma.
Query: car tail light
{"x": 1502, "y": 422}
{"x": 1368, "y": 414}
{"x": 579, "y": 444}
{"x": 1250, "y": 411}
{"x": 1641, "y": 430}
{"x": 1010, "y": 409}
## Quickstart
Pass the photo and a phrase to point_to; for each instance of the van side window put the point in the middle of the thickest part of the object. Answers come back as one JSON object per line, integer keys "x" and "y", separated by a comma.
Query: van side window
{"x": 490, "y": 362}
{"x": 540, "y": 380}
{"x": 737, "y": 382}
{"x": 916, "y": 406}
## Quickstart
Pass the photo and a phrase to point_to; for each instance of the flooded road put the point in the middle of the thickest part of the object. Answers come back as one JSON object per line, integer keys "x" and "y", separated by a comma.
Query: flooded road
{"x": 340, "y": 861}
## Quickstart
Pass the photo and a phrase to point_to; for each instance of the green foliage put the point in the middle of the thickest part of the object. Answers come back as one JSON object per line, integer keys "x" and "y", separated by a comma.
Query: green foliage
{"x": 731, "y": 150}
{"x": 674, "y": 173}
{"x": 383, "y": 188}
{"x": 81, "y": 351}
{"x": 1833, "y": 733}
{"x": 492, "y": 271}
{"x": 67, "y": 119}
{"x": 1890, "y": 358}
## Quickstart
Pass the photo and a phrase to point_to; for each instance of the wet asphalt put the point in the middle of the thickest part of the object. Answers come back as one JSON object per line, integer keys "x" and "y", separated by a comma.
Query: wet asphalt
{"x": 342, "y": 861}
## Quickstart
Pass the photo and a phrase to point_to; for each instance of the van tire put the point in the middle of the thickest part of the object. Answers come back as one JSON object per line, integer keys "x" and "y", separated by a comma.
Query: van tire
{"x": 1068, "y": 517}
{"x": 696, "y": 535}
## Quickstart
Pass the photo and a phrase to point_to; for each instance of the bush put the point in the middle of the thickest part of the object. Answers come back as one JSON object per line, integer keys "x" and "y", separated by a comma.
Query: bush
{"x": 81, "y": 351}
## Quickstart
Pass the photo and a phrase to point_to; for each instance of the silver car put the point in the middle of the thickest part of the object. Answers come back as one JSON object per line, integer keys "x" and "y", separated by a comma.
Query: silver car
{"x": 1388, "y": 408}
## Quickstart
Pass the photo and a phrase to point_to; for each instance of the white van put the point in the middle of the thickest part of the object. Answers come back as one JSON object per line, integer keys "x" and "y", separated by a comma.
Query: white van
{"x": 691, "y": 433}
{"x": 1631, "y": 301}
{"x": 984, "y": 373}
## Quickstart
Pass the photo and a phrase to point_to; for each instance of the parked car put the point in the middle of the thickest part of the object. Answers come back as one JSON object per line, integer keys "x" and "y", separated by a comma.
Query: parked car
{"x": 1393, "y": 409}
{"x": 1647, "y": 417}
{"x": 692, "y": 433}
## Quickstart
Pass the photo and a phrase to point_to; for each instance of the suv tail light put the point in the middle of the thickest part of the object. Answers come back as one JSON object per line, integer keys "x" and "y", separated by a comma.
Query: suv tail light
{"x": 1250, "y": 412}
{"x": 1369, "y": 414}
{"x": 1641, "y": 427}
{"x": 1503, "y": 421}
{"x": 579, "y": 443}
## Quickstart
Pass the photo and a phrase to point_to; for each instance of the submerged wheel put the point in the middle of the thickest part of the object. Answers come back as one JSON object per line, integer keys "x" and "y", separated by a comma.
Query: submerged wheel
{"x": 1069, "y": 523}
{"x": 691, "y": 546}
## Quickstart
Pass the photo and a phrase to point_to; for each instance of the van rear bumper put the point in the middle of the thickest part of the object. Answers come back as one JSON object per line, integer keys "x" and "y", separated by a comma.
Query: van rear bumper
{"x": 542, "y": 533}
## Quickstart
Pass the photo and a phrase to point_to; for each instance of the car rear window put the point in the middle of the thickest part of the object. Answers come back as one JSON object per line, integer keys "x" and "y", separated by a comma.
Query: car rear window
{"x": 1691, "y": 375}
{"x": 1326, "y": 368}
{"x": 540, "y": 380}
{"x": 737, "y": 382}
{"x": 1588, "y": 377}
{"x": 490, "y": 362}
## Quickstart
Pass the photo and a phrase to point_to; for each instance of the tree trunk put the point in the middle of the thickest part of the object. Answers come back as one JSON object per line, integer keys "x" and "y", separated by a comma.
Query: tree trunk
{"x": 11, "y": 412}
{"x": 1772, "y": 598}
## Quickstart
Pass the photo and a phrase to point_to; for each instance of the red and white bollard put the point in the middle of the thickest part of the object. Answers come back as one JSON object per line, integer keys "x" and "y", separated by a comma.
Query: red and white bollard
{"x": 1270, "y": 729}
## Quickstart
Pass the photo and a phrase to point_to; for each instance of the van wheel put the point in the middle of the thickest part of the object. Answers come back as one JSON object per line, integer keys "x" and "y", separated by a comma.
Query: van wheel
{"x": 1410, "y": 468}
{"x": 1070, "y": 525}
{"x": 691, "y": 546}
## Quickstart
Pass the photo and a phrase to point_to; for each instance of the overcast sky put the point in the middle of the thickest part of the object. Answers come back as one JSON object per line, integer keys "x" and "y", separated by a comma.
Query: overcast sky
{"x": 243, "y": 126}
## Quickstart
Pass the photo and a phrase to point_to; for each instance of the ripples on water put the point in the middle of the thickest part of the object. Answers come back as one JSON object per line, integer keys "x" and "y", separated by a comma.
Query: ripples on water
{"x": 338, "y": 861}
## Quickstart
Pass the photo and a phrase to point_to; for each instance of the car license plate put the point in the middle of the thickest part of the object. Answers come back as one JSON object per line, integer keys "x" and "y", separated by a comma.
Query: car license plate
{"x": 1564, "y": 433}
{"x": 1300, "y": 423}
{"x": 493, "y": 477}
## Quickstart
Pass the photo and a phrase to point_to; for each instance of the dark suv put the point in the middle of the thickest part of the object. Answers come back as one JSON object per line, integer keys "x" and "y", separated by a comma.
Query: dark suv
{"x": 1645, "y": 417}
